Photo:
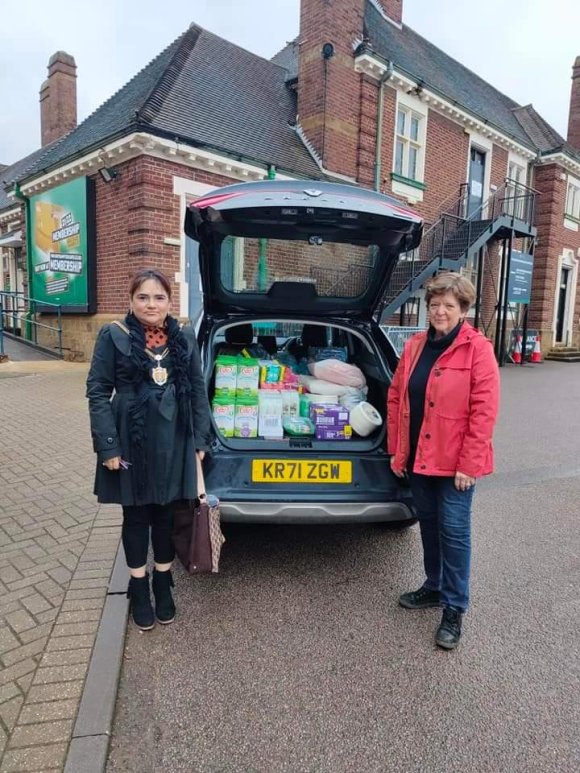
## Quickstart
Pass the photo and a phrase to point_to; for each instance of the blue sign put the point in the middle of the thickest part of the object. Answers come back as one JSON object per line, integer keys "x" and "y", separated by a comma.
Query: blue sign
{"x": 520, "y": 279}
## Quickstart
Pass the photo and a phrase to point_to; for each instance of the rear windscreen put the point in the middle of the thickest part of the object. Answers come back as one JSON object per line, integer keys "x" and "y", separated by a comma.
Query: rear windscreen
{"x": 335, "y": 269}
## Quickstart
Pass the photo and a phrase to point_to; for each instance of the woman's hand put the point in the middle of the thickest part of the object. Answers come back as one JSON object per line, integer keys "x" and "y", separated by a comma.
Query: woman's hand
{"x": 463, "y": 482}
{"x": 113, "y": 464}
{"x": 398, "y": 473}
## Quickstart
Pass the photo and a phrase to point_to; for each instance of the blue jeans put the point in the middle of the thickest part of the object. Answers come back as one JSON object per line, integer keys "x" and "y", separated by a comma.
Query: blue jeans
{"x": 445, "y": 520}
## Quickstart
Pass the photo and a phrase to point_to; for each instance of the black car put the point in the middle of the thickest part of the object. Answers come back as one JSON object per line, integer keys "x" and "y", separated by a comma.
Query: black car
{"x": 293, "y": 275}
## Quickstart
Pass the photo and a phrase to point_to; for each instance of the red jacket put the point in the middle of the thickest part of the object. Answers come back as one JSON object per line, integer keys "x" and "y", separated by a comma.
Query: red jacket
{"x": 461, "y": 404}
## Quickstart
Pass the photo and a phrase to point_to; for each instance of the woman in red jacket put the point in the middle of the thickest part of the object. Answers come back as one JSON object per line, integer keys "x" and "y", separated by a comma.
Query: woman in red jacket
{"x": 442, "y": 407}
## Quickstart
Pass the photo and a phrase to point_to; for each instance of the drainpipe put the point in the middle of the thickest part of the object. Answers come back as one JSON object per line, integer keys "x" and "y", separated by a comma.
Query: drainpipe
{"x": 263, "y": 246}
{"x": 387, "y": 75}
{"x": 28, "y": 316}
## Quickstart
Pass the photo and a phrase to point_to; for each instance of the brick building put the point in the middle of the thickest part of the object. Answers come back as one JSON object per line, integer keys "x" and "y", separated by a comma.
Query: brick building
{"x": 358, "y": 97}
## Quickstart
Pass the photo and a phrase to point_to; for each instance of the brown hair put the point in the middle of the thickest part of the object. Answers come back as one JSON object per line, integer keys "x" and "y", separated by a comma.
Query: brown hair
{"x": 451, "y": 282}
{"x": 144, "y": 275}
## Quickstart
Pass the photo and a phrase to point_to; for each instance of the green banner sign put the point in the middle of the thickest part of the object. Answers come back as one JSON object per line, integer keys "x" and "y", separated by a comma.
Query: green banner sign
{"x": 62, "y": 249}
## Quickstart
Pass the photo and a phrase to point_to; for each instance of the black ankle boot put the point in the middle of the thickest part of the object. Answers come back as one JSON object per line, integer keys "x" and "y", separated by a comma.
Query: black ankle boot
{"x": 164, "y": 606}
{"x": 449, "y": 632}
{"x": 141, "y": 609}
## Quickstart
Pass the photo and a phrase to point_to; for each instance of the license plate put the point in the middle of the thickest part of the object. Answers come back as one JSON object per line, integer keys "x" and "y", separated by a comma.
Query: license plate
{"x": 300, "y": 471}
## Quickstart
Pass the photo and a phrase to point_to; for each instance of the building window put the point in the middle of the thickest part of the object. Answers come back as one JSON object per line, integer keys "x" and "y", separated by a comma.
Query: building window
{"x": 515, "y": 195}
{"x": 408, "y": 145}
{"x": 573, "y": 200}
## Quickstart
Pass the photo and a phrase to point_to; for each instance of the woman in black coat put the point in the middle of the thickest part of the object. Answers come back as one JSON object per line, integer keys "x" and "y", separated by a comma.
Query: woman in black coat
{"x": 147, "y": 434}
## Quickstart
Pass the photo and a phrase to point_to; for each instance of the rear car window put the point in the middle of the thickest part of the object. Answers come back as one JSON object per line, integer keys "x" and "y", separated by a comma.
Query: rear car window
{"x": 337, "y": 270}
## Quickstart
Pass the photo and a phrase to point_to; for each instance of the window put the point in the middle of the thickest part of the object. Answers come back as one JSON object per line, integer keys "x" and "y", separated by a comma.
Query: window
{"x": 408, "y": 144}
{"x": 573, "y": 200}
{"x": 516, "y": 193}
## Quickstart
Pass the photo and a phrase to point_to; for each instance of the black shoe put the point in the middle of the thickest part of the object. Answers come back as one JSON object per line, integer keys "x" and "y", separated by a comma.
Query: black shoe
{"x": 141, "y": 609}
{"x": 164, "y": 606}
{"x": 449, "y": 632}
{"x": 424, "y": 598}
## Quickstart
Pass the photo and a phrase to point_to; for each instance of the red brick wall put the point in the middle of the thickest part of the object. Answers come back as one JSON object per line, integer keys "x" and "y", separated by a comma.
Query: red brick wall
{"x": 574, "y": 114}
{"x": 447, "y": 149}
{"x": 329, "y": 91}
{"x": 393, "y": 9}
{"x": 553, "y": 238}
{"x": 135, "y": 213}
{"x": 58, "y": 98}
{"x": 499, "y": 166}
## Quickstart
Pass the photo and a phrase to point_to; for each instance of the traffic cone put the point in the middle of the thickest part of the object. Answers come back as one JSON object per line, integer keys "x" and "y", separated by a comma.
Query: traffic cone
{"x": 537, "y": 353}
{"x": 517, "y": 355}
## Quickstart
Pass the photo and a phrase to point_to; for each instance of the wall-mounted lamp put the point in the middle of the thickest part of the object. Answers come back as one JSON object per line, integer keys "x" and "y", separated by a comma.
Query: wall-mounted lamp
{"x": 108, "y": 174}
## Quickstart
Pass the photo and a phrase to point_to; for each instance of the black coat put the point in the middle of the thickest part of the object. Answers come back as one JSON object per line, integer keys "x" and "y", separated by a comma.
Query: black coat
{"x": 169, "y": 447}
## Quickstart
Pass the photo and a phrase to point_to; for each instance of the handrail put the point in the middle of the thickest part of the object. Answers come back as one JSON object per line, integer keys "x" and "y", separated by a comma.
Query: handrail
{"x": 453, "y": 232}
{"x": 21, "y": 312}
{"x": 1, "y": 328}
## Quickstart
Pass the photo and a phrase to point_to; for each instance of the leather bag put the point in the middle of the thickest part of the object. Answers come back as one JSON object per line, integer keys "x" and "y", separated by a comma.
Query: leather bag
{"x": 197, "y": 534}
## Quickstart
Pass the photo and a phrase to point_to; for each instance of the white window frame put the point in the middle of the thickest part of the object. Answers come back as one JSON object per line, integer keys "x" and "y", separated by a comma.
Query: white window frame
{"x": 483, "y": 145}
{"x": 572, "y": 204}
{"x": 412, "y": 107}
{"x": 407, "y": 142}
{"x": 186, "y": 190}
{"x": 516, "y": 171}
{"x": 568, "y": 260}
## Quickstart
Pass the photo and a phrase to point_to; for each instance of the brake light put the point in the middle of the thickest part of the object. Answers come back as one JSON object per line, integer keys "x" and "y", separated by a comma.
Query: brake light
{"x": 210, "y": 201}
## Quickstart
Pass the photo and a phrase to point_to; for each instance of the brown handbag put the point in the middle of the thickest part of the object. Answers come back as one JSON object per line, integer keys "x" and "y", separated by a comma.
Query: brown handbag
{"x": 197, "y": 534}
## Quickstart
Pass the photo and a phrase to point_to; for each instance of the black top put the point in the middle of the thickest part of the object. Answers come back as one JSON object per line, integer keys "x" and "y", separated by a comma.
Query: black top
{"x": 433, "y": 349}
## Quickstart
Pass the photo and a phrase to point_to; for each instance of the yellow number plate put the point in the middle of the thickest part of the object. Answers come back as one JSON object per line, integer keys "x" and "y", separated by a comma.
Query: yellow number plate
{"x": 300, "y": 471}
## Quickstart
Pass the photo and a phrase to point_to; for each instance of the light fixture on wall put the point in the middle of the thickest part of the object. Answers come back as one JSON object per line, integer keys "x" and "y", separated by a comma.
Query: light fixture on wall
{"x": 108, "y": 174}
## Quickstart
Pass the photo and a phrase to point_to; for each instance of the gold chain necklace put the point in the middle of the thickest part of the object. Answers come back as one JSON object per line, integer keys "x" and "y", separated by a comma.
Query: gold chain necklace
{"x": 158, "y": 374}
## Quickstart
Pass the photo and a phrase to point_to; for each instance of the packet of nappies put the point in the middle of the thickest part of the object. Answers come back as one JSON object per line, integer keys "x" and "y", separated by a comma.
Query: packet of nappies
{"x": 248, "y": 378}
{"x": 246, "y": 418}
{"x": 223, "y": 409}
{"x": 226, "y": 374}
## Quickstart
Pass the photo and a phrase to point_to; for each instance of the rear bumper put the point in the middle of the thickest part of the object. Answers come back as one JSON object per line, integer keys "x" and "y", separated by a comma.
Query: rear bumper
{"x": 315, "y": 512}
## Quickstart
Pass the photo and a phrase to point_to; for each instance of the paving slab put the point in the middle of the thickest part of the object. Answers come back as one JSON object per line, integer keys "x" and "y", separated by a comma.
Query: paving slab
{"x": 53, "y": 534}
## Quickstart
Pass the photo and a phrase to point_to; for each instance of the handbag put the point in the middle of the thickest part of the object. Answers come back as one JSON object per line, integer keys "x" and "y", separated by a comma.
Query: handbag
{"x": 197, "y": 533}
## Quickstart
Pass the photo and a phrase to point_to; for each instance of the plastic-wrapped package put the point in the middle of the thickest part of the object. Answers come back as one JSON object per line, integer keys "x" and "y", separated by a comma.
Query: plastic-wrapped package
{"x": 320, "y": 387}
{"x": 297, "y": 425}
{"x": 270, "y": 414}
{"x": 352, "y": 398}
{"x": 290, "y": 403}
{"x": 338, "y": 372}
{"x": 318, "y": 353}
{"x": 224, "y": 409}
{"x": 246, "y": 418}
{"x": 226, "y": 375}
{"x": 248, "y": 378}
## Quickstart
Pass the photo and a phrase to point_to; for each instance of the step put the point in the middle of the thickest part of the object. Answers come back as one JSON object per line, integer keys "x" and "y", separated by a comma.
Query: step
{"x": 563, "y": 357}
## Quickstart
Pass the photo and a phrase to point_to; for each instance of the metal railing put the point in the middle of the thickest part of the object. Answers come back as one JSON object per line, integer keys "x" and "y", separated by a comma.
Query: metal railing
{"x": 19, "y": 315}
{"x": 399, "y": 336}
{"x": 455, "y": 232}
{"x": 341, "y": 282}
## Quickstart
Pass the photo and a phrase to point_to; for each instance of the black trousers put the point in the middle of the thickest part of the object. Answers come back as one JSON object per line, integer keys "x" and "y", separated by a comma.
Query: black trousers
{"x": 138, "y": 522}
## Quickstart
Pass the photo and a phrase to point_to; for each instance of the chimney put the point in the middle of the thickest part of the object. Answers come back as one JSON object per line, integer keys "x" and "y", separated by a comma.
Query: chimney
{"x": 392, "y": 8}
{"x": 574, "y": 116}
{"x": 328, "y": 86}
{"x": 58, "y": 98}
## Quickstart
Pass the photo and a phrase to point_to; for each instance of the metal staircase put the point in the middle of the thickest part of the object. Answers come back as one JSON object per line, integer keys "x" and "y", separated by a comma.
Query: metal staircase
{"x": 458, "y": 235}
